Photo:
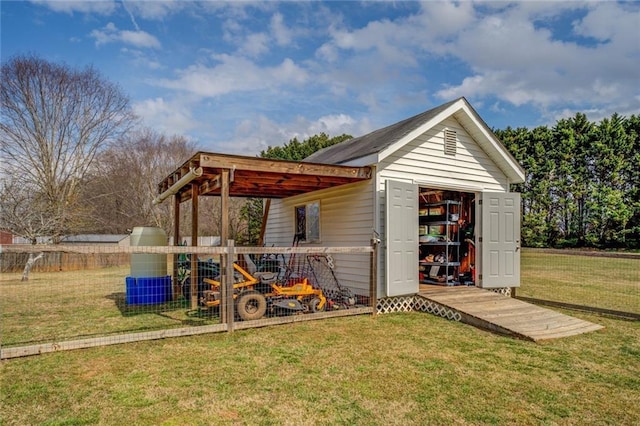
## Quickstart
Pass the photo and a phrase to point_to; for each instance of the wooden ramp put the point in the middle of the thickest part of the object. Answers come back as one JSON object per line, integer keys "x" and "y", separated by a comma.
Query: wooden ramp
{"x": 505, "y": 315}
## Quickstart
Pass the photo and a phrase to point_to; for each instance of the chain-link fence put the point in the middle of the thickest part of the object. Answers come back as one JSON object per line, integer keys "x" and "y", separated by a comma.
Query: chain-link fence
{"x": 64, "y": 297}
{"x": 605, "y": 282}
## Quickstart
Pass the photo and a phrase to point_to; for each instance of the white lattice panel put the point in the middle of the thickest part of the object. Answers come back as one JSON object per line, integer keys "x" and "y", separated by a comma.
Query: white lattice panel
{"x": 505, "y": 291}
{"x": 414, "y": 303}
{"x": 395, "y": 304}
{"x": 424, "y": 305}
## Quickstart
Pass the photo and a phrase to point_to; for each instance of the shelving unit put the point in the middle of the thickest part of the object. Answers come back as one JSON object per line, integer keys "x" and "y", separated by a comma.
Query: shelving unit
{"x": 442, "y": 248}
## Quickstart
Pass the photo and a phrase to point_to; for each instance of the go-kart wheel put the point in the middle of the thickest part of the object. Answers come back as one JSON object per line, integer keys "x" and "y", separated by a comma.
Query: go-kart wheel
{"x": 251, "y": 306}
{"x": 314, "y": 305}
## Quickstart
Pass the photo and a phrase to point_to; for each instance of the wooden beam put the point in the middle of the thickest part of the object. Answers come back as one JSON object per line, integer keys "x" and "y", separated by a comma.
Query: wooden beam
{"x": 228, "y": 286}
{"x": 224, "y": 206}
{"x": 176, "y": 242}
{"x": 38, "y": 349}
{"x": 263, "y": 226}
{"x": 221, "y": 161}
{"x": 194, "y": 243}
{"x": 210, "y": 185}
{"x": 224, "y": 237}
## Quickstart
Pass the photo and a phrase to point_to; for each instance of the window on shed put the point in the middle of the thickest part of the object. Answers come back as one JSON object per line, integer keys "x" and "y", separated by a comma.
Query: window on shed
{"x": 308, "y": 222}
{"x": 450, "y": 142}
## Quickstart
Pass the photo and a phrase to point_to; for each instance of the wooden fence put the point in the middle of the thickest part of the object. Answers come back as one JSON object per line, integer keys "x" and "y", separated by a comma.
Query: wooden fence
{"x": 62, "y": 261}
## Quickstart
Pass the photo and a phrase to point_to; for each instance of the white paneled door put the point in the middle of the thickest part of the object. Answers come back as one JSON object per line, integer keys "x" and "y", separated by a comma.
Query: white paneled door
{"x": 401, "y": 238}
{"x": 500, "y": 240}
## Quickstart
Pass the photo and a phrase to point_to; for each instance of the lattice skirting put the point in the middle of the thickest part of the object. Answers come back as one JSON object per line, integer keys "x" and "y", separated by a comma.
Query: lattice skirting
{"x": 395, "y": 304}
{"x": 424, "y": 305}
{"x": 505, "y": 291}
{"x": 415, "y": 303}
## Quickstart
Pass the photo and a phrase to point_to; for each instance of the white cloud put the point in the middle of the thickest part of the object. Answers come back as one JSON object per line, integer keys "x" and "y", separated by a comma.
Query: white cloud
{"x": 173, "y": 118}
{"x": 254, "y": 134}
{"x": 106, "y": 7}
{"x": 154, "y": 9}
{"x": 517, "y": 62}
{"x": 142, "y": 59}
{"x": 111, "y": 34}
{"x": 509, "y": 53}
{"x": 255, "y": 44}
{"x": 281, "y": 33}
{"x": 235, "y": 74}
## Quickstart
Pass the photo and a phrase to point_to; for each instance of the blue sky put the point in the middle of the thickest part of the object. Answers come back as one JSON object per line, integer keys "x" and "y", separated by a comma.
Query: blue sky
{"x": 237, "y": 77}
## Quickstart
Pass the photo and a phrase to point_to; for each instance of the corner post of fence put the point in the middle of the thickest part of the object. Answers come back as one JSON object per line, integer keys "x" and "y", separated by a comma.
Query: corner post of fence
{"x": 228, "y": 285}
{"x": 373, "y": 271}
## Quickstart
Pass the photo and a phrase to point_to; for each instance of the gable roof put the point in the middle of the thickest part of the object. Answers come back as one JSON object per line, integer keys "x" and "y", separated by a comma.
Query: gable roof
{"x": 379, "y": 144}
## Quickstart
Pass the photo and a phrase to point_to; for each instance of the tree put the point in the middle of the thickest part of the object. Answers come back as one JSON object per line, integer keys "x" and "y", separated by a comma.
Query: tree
{"x": 54, "y": 121}
{"x": 122, "y": 183}
{"x": 296, "y": 151}
{"x": 582, "y": 182}
{"x": 631, "y": 178}
{"x": 610, "y": 210}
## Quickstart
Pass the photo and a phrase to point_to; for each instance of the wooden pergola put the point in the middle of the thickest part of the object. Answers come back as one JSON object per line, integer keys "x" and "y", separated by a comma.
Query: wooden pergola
{"x": 223, "y": 175}
{"x": 226, "y": 176}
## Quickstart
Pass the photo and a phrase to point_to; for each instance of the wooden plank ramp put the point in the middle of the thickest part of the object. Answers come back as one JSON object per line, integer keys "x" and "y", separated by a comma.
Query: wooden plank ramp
{"x": 505, "y": 315}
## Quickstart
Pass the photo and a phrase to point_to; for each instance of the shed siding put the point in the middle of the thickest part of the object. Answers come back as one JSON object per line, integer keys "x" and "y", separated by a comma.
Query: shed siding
{"x": 423, "y": 160}
{"x": 346, "y": 219}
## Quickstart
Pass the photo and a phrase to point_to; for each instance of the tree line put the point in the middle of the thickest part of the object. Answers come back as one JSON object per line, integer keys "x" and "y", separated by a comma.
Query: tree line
{"x": 582, "y": 185}
{"x": 75, "y": 159}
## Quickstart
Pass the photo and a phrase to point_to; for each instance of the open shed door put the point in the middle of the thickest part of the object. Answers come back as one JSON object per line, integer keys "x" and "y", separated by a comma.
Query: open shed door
{"x": 500, "y": 240}
{"x": 401, "y": 262}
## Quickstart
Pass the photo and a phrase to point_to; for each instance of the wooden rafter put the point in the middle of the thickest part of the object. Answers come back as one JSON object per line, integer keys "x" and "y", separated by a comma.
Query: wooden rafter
{"x": 260, "y": 177}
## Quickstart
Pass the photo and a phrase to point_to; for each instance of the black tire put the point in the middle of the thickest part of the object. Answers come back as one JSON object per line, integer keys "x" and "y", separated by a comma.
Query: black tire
{"x": 251, "y": 306}
{"x": 313, "y": 305}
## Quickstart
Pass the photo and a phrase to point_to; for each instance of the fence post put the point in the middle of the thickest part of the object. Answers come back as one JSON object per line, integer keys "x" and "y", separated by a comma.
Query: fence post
{"x": 228, "y": 285}
{"x": 373, "y": 285}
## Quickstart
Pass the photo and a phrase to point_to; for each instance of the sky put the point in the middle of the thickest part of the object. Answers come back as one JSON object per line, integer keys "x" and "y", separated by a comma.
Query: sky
{"x": 237, "y": 77}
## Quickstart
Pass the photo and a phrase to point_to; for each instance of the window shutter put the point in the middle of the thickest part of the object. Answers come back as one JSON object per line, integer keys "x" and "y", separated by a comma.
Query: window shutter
{"x": 450, "y": 142}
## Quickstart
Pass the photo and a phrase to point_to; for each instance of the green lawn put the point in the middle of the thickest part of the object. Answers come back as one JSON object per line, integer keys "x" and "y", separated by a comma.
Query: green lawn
{"x": 56, "y": 306}
{"x": 406, "y": 368}
{"x": 601, "y": 282}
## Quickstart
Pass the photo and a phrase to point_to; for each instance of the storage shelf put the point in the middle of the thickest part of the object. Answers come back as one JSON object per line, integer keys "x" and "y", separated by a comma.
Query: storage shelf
{"x": 444, "y": 203}
{"x": 424, "y": 220}
{"x": 443, "y": 283}
{"x": 443, "y": 214}
{"x": 423, "y": 263}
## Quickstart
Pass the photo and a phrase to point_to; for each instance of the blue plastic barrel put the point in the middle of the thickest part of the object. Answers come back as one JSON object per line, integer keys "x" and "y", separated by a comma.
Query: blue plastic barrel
{"x": 148, "y": 290}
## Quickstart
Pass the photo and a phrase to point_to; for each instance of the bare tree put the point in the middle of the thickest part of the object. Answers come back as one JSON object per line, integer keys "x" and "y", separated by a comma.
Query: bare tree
{"x": 24, "y": 212}
{"x": 123, "y": 182}
{"x": 54, "y": 120}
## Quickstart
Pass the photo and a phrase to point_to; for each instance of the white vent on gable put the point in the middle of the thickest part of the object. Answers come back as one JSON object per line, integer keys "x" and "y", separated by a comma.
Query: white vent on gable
{"x": 450, "y": 142}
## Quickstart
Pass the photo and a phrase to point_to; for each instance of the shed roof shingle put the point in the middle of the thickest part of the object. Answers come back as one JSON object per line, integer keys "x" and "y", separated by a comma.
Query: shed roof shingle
{"x": 375, "y": 141}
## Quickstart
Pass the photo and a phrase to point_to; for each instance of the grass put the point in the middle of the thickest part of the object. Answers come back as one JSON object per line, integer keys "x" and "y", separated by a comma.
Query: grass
{"x": 60, "y": 306}
{"x": 409, "y": 368}
{"x": 602, "y": 282}
{"x": 56, "y": 306}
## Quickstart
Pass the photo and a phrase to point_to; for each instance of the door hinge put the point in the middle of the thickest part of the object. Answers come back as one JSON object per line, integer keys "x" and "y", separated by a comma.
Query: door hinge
{"x": 480, "y": 277}
{"x": 479, "y": 239}
{"x": 480, "y": 202}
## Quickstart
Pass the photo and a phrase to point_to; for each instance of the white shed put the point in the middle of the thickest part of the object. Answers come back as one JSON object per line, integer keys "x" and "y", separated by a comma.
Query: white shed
{"x": 438, "y": 199}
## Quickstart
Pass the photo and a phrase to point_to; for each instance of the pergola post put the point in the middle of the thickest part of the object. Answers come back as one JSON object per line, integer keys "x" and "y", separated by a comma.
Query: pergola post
{"x": 176, "y": 242}
{"x": 194, "y": 242}
{"x": 226, "y": 291}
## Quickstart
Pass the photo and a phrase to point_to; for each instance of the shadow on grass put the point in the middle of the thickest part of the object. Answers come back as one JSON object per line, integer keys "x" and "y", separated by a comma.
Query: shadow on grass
{"x": 175, "y": 310}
